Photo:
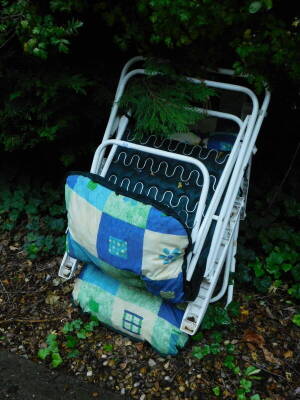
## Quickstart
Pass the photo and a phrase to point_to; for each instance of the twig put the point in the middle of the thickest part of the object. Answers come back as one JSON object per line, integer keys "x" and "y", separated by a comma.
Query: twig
{"x": 29, "y": 321}
{"x": 9, "y": 38}
{"x": 5, "y": 291}
{"x": 285, "y": 176}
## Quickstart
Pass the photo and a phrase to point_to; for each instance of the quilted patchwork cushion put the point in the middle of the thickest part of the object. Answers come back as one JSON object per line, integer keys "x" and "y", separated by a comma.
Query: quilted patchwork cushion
{"x": 131, "y": 311}
{"x": 114, "y": 231}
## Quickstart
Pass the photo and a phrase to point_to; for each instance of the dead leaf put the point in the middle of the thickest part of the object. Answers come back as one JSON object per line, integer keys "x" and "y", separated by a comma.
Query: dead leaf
{"x": 269, "y": 356}
{"x": 139, "y": 346}
{"x": 51, "y": 299}
{"x": 244, "y": 313}
{"x": 288, "y": 354}
{"x": 13, "y": 248}
{"x": 253, "y": 337}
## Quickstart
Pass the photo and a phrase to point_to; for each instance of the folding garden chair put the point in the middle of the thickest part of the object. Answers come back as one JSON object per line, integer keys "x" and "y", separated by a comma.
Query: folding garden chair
{"x": 169, "y": 211}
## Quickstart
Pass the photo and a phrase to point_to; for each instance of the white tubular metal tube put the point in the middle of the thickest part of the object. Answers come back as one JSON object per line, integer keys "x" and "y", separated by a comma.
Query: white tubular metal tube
{"x": 121, "y": 130}
{"x": 201, "y": 205}
{"x": 233, "y": 262}
{"x": 227, "y": 267}
{"x": 219, "y": 114}
{"x": 234, "y": 184}
{"x": 115, "y": 107}
{"x": 215, "y": 200}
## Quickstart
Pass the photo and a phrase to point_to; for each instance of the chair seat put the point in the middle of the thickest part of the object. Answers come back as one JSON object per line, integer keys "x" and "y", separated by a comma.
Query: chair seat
{"x": 174, "y": 184}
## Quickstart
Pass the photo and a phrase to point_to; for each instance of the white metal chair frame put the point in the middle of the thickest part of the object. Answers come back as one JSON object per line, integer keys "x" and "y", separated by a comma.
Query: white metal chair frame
{"x": 235, "y": 176}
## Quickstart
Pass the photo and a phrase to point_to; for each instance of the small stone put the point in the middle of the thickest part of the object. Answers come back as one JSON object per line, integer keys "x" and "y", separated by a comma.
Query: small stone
{"x": 56, "y": 282}
{"x": 123, "y": 391}
{"x": 181, "y": 388}
{"x": 166, "y": 365}
{"x": 89, "y": 372}
{"x": 143, "y": 396}
{"x": 136, "y": 384}
{"x": 151, "y": 363}
{"x": 111, "y": 363}
{"x": 143, "y": 371}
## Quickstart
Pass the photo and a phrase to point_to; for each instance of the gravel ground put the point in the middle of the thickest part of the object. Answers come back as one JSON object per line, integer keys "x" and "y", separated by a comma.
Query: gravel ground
{"x": 34, "y": 303}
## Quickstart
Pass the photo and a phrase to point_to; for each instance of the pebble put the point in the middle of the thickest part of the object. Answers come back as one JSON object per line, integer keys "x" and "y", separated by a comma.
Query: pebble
{"x": 123, "y": 391}
{"x": 151, "y": 363}
{"x": 143, "y": 396}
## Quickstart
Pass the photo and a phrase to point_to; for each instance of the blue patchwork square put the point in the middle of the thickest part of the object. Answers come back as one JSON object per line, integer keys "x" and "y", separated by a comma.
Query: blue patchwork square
{"x": 117, "y": 247}
{"x": 96, "y": 277}
{"x": 171, "y": 314}
{"x": 96, "y": 194}
{"x": 130, "y": 239}
{"x": 159, "y": 222}
{"x": 72, "y": 180}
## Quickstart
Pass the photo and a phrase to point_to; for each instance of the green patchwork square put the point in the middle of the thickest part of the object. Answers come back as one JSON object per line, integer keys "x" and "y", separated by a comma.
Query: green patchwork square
{"x": 91, "y": 185}
{"x": 127, "y": 210}
{"x": 90, "y": 295}
{"x": 140, "y": 296}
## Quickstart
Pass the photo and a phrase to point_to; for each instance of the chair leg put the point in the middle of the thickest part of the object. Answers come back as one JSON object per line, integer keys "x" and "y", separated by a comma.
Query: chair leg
{"x": 233, "y": 263}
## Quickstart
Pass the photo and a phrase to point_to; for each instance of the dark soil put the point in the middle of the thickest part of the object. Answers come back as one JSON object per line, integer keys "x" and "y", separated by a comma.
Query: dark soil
{"x": 21, "y": 379}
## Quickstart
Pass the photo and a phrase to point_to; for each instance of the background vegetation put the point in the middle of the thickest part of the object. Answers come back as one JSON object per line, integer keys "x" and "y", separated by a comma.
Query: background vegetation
{"x": 60, "y": 61}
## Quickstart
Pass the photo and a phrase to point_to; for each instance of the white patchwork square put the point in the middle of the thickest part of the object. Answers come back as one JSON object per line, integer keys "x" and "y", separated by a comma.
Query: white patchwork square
{"x": 163, "y": 255}
{"x": 83, "y": 222}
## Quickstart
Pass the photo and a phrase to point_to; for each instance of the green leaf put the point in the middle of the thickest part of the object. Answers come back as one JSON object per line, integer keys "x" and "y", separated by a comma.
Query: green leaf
{"x": 230, "y": 348}
{"x": 74, "y": 353}
{"x": 234, "y": 309}
{"x": 251, "y": 371}
{"x": 199, "y": 336}
{"x": 246, "y": 385}
{"x": 217, "y": 337}
{"x": 81, "y": 334}
{"x": 229, "y": 362}
{"x": 44, "y": 353}
{"x": 255, "y": 397}
{"x": 107, "y": 347}
{"x": 56, "y": 360}
{"x": 201, "y": 352}
{"x": 216, "y": 390}
{"x": 262, "y": 284}
{"x": 269, "y": 5}
{"x": 71, "y": 342}
{"x": 51, "y": 339}
{"x": 254, "y": 7}
{"x": 296, "y": 319}
{"x": 294, "y": 291}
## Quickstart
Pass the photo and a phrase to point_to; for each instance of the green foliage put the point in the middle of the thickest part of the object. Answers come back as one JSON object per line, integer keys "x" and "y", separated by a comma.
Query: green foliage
{"x": 81, "y": 329}
{"x": 162, "y": 104}
{"x": 38, "y": 31}
{"x": 51, "y": 350}
{"x": 37, "y": 213}
{"x": 215, "y": 316}
{"x": 226, "y": 352}
{"x": 48, "y": 68}
{"x": 274, "y": 261}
